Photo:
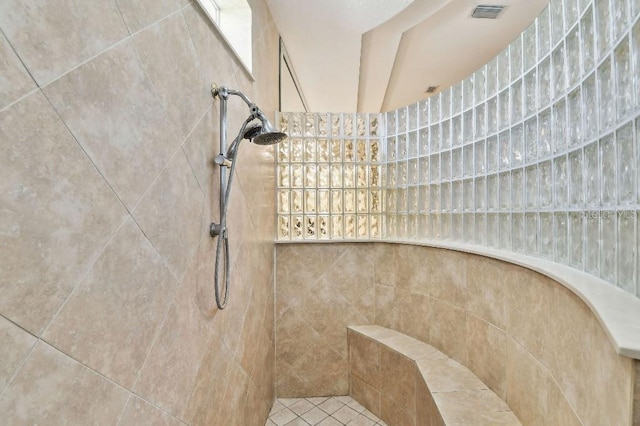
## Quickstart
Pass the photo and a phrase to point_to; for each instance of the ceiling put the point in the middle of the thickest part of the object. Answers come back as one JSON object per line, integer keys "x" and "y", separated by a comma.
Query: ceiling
{"x": 377, "y": 55}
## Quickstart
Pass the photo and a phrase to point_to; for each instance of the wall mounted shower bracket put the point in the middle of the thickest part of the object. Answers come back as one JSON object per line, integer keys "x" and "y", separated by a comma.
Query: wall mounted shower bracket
{"x": 259, "y": 134}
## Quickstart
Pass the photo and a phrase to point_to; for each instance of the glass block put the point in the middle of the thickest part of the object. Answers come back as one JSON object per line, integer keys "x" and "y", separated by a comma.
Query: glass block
{"x": 309, "y": 125}
{"x": 296, "y": 201}
{"x": 348, "y": 125}
{"x": 322, "y": 125}
{"x": 413, "y": 227}
{"x": 423, "y": 198}
{"x": 544, "y": 134}
{"x": 349, "y": 175}
{"x": 323, "y": 227}
{"x": 557, "y": 21}
{"x": 588, "y": 40}
{"x": 403, "y": 177}
{"x": 607, "y": 95}
{"x": 503, "y": 69}
{"x": 624, "y": 79}
{"x": 456, "y": 163}
{"x": 323, "y": 201}
{"x": 283, "y": 228}
{"x": 435, "y": 138}
{"x": 295, "y": 128}
{"x": 516, "y": 101}
{"x": 445, "y": 192}
{"x": 456, "y": 227}
{"x": 467, "y": 154}
{"x": 560, "y": 181}
{"x": 559, "y": 126}
{"x": 349, "y": 201}
{"x": 283, "y": 201}
{"x": 310, "y": 175}
{"x": 349, "y": 226}
{"x": 456, "y": 98}
{"x": 423, "y": 113}
{"x": 529, "y": 46}
{"x": 493, "y": 230}
{"x": 297, "y": 150}
{"x": 481, "y": 193}
{"x": 434, "y": 198}
{"x": 530, "y": 90}
{"x": 283, "y": 176}
{"x": 361, "y": 151}
{"x": 546, "y": 184}
{"x": 391, "y": 123}
{"x": 363, "y": 226}
{"x": 296, "y": 175}
{"x": 479, "y": 86}
{"x": 517, "y": 146}
{"x": 283, "y": 151}
{"x": 635, "y": 56}
{"x": 517, "y": 189}
{"x": 457, "y": 196}
{"x": 391, "y": 228}
{"x": 323, "y": 176}
{"x": 627, "y": 251}
{"x": 362, "y": 178}
{"x": 423, "y": 141}
{"x": 590, "y": 107}
{"x": 424, "y": 170}
{"x": 402, "y": 147}
{"x": 531, "y": 187}
{"x": 516, "y": 58}
{"x": 559, "y": 71}
{"x": 323, "y": 150}
{"x": 492, "y": 77}
{"x": 544, "y": 33}
{"x": 573, "y": 56}
{"x": 620, "y": 13}
{"x": 374, "y": 125}
{"x": 480, "y": 159}
{"x": 546, "y": 235}
{"x": 375, "y": 227}
{"x": 376, "y": 201}
{"x": 468, "y": 92}
{"x": 481, "y": 127}
{"x": 413, "y": 144}
{"x": 531, "y": 139}
{"x": 445, "y": 223}
{"x": 412, "y": 199}
{"x": 456, "y": 133}
{"x": 560, "y": 236}
{"x": 592, "y": 175}
{"x": 361, "y": 125}
{"x": 504, "y": 109}
{"x": 468, "y": 227}
{"x": 445, "y": 142}
{"x": 467, "y": 195}
{"x": 402, "y": 226}
{"x": 592, "y": 222}
{"x": 505, "y": 191}
{"x": 402, "y": 200}
{"x": 284, "y": 122}
{"x": 436, "y": 226}
{"x": 492, "y": 115}
{"x": 445, "y": 166}
{"x": 336, "y": 125}
{"x": 571, "y": 12}
{"x": 349, "y": 155}
{"x": 531, "y": 234}
{"x": 413, "y": 116}
{"x": 608, "y": 170}
{"x": 626, "y": 165}
{"x": 504, "y": 142}
{"x": 576, "y": 236}
{"x": 336, "y": 227}
{"x": 517, "y": 232}
{"x": 492, "y": 154}
{"x": 576, "y": 191}
{"x": 492, "y": 192}
{"x": 402, "y": 120}
{"x": 310, "y": 231}
{"x": 435, "y": 168}
{"x": 608, "y": 246}
{"x": 412, "y": 172}
{"x": 481, "y": 229}
{"x": 362, "y": 201}
{"x": 297, "y": 227}
{"x": 434, "y": 108}
{"x": 336, "y": 201}
{"x": 544, "y": 82}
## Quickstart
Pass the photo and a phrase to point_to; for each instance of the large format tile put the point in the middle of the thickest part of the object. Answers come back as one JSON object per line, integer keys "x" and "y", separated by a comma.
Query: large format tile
{"x": 559, "y": 412}
{"x": 171, "y": 214}
{"x": 15, "y": 81}
{"x": 111, "y": 108}
{"x": 447, "y": 330}
{"x": 58, "y": 213}
{"x": 487, "y": 280}
{"x": 365, "y": 394}
{"x": 110, "y": 321}
{"x": 138, "y": 14}
{"x": 172, "y": 64}
{"x": 139, "y": 412}
{"x": 526, "y": 386}
{"x": 232, "y": 410}
{"x": 364, "y": 358}
{"x": 53, "y": 389}
{"x": 397, "y": 374}
{"x": 15, "y": 344}
{"x": 487, "y": 353}
{"x": 482, "y": 408}
{"x": 53, "y": 36}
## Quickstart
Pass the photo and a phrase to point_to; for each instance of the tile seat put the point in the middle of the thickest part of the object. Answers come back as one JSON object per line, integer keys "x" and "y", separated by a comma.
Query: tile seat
{"x": 407, "y": 382}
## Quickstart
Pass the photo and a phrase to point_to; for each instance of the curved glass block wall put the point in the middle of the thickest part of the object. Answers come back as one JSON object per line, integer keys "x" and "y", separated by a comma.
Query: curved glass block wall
{"x": 536, "y": 152}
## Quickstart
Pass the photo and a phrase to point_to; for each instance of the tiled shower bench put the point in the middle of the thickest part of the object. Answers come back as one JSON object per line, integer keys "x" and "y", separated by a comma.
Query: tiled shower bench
{"x": 407, "y": 382}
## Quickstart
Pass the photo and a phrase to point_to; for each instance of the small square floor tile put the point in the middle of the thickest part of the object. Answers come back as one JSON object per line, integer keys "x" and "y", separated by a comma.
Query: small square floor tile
{"x": 317, "y": 400}
{"x": 283, "y": 417}
{"x": 287, "y": 401}
{"x": 330, "y": 421}
{"x": 356, "y": 406}
{"x": 331, "y": 405}
{"x": 297, "y": 422}
{"x": 301, "y": 406}
{"x": 370, "y": 415}
{"x": 314, "y": 416}
{"x": 361, "y": 421}
{"x": 277, "y": 407}
{"x": 344, "y": 399}
{"x": 345, "y": 414}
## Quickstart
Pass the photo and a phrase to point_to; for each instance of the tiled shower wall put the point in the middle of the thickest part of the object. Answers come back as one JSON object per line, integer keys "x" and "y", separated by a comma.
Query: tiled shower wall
{"x": 107, "y": 131}
{"x": 536, "y": 152}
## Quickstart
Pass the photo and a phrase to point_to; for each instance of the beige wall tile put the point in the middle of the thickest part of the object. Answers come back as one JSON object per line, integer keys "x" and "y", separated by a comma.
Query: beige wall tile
{"x": 52, "y": 37}
{"x": 427, "y": 413}
{"x": 140, "y": 412}
{"x": 636, "y": 395}
{"x": 110, "y": 321}
{"x": 52, "y": 388}
{"x": 384, "y": 263}
{"x": 232, "y": 409}
{"x": 16, "y": 81}
{"x": 415, "y": 316}
{"x": 15, "y": 345}
{"x": 397, "y": 374}
{"x": 448, "y": 277}
{"x": 351, "y": 275}
{"x": 446, "y": 375}
{"x": 364, "y": 359}
{"x": 387, "y": 310}
{"x": 474, "y": 407}
{"x": 58, "y": 211}
{"x": 487, "y": 353}
{"x": 257, "y": 406}
{"x": 559, "y": 412}
{"x": 324, "y": 370}
{"x": 112, "y": 110}
{"x": 139, "y": 14}
{"x": 365, "y": 394}
{"x": 448, "y": 330}
{"x": 293, "y": 337}
{"x": 487, "y": 280}
{"x": 171, "y": 214}
{"x": 200, "y": 148}
{"x": 171, "y": 61}
{"x": 526, "y": 386}
{"x": 394, "y": 414}
{"x": 289, "y": 385}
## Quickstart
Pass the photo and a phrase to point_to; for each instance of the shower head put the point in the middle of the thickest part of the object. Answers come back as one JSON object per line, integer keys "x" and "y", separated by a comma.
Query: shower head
{"x": 267, "y": 134}
{"x": 269, "y": 138}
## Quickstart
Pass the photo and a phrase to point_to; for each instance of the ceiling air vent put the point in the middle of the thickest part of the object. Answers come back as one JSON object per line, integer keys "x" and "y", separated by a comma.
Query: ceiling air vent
{"x": 487, "y": 11}
{"x": 431, "y": 89}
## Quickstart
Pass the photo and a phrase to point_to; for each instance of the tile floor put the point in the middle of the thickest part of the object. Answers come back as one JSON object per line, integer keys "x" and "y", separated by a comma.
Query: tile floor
{"x": 321, "y": 411}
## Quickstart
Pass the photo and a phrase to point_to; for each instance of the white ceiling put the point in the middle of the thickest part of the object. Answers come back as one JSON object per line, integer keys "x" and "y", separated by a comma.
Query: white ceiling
{"x": 377, "y": 55}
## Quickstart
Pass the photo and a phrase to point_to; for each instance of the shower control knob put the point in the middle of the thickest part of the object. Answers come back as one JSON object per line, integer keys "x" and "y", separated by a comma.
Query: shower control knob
{"x": 215, "y": 229}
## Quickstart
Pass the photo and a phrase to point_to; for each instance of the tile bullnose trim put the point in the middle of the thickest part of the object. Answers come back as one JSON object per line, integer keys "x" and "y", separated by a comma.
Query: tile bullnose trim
{"x": 617, "y": 311}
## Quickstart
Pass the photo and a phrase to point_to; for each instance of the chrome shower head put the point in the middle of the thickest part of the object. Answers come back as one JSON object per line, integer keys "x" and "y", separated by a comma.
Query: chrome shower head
{"x": 269, "y": 138}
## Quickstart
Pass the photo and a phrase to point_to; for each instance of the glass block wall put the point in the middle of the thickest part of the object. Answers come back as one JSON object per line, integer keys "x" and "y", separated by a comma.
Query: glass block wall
{"x": 536, "y": 152}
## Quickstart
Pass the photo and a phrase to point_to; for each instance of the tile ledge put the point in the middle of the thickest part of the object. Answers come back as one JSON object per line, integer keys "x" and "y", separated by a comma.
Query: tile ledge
{"x": 617, "y": 311}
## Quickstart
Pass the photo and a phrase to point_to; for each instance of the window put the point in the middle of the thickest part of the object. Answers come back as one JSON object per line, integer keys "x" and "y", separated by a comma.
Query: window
{"x": 233, "y": 20}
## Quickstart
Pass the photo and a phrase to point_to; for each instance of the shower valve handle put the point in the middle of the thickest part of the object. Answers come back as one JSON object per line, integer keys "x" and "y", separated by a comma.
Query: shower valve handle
{"x": 216, "y": 229}
{"x": 221, "y": 160}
